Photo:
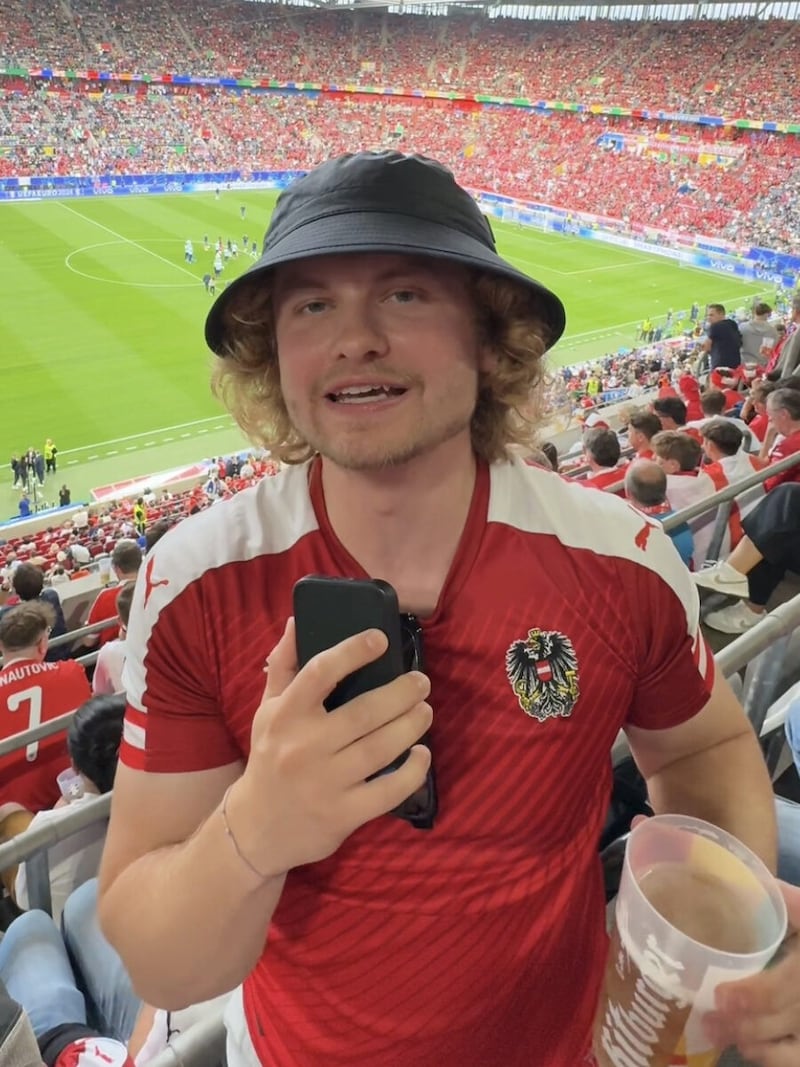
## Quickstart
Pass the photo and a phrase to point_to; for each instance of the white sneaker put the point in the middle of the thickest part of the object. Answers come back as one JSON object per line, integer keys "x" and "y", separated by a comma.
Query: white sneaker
{"x": 735, "y": 619}
{"x": 723, "y": 578}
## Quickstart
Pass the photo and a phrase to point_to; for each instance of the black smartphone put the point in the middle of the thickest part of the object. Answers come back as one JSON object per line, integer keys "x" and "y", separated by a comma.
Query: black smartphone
{"x": 328, "y": 610}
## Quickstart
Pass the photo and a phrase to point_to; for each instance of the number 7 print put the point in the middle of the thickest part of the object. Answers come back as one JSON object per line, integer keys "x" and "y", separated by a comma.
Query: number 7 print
{"x": 34, "y": 697}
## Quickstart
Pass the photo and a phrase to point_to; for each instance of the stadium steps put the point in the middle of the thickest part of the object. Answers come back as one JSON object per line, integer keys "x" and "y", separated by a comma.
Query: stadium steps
{"x": 182, "y": 32}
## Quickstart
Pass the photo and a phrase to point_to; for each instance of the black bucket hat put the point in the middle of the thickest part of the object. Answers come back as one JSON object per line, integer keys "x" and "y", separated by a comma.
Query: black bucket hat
{"x": 380, "y": 202}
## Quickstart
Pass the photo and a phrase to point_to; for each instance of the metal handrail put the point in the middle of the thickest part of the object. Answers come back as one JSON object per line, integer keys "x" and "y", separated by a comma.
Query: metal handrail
{"x": 42, "y": 837}
{"x": 74, "y": 635}
{"x": 36, "y": 733}
{"x": 32, "y": 846}
{"x": 83, "y": 631}
{"x": 730, "y": 492}
{"x": 780, "y": 622}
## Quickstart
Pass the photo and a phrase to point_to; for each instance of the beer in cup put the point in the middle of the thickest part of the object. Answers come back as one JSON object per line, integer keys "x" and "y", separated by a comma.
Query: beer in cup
{"x": 696, "y": 908}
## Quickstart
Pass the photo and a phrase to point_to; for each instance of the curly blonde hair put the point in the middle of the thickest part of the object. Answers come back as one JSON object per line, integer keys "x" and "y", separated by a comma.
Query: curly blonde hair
{"x": 509, "y": 406}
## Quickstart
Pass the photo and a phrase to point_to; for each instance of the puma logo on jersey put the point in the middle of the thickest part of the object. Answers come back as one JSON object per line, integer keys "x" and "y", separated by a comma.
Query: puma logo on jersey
{"x": 151, "y": 583}
{"x": 642, "y": 537}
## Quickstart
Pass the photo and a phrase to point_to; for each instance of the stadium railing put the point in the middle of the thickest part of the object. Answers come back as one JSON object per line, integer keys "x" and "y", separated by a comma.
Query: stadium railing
{"x": 725, "y": 497}
{"x": 32, "y": 846}
{"x": 75, "y": 635}
{"x": 760, "y": 652}
{"x": 723, "y": 500}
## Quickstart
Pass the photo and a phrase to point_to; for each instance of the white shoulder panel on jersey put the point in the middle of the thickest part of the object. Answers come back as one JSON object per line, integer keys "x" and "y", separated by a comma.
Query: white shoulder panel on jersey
{"x": 268, "y": 518}
{"x": 538, "y": 501}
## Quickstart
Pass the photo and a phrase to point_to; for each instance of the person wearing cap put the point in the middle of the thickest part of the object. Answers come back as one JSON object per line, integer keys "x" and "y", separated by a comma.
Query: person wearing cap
{"x": 386, "y": 354}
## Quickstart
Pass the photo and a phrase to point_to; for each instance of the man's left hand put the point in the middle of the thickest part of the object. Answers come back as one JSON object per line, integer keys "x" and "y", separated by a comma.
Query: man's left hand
{"x": 761, "y": 1015}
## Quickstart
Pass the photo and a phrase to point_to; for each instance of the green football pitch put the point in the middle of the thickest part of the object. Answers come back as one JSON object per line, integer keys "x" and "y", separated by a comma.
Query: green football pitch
{"x": 102, "y": 322}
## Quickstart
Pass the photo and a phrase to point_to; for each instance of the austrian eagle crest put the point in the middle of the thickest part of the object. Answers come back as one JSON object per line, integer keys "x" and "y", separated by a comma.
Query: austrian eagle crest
{"x": 543, "y": 673}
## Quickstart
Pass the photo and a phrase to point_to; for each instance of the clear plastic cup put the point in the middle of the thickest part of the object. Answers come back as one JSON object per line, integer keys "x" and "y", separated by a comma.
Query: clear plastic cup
{"x": 696, "y": 908}
{"x": 70, "y": 784}
{"x": 104, "y": 569}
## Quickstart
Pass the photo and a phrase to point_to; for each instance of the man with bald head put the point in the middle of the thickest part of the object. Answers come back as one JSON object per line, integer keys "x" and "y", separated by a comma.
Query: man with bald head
{"x": 646, "y": 488}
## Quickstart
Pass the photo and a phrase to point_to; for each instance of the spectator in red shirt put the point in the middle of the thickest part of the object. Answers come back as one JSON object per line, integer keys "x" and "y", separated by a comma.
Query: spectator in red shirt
{"x": 783, "y": 409}
{"x": 755, "y": 408}
{"x": 126, "y": 559}
{"x": 32, "y": 691}
{"x": 690, "y": 393}
{"x": 727, "y": 380}
{"x": 671, "y": 412}
{"x": 642, "y": 428}
{"x": 602, "y": 452}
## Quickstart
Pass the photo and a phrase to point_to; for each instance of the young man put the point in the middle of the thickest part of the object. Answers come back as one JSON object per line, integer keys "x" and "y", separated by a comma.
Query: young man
{"x": 726, "y": 463}
{"x": 758, "y": 336}
{"x": 723, "y": 340}
{"x": 642, "y": 428}
{"x": 382, "y": 349}
{"x": 33, "y": 691}
{"x": 671, "y": 413}
{"x": 602, "y": 452}
{"x": 679, "y": 456}
{"x": 126, "y": 559}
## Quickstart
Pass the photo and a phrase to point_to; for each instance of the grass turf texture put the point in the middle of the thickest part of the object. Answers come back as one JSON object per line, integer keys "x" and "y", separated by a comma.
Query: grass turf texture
{"x": 102, "y": 321}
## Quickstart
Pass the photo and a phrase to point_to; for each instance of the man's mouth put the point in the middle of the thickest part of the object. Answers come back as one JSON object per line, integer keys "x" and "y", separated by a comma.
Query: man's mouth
{"x": 364, "y": 394}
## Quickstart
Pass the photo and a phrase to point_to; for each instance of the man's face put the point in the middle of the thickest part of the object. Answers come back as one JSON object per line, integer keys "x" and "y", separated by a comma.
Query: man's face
{"x": 714, "y": 315}
{"x": 778, "y": 417}
{"x": 667, "y": 422}
{"x": 379, "y": 355}
{"x": 669, "y": 466}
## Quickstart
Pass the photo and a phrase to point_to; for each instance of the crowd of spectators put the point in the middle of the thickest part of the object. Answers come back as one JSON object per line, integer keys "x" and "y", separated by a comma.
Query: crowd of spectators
{"x": 556, "y": 158}
{"x": 65, "y": 550}
{"x": 739, "y": 66}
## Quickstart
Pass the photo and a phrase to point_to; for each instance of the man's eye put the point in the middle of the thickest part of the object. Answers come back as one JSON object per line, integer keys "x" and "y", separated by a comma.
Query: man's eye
{"x": 313, "y": 307}
{"x": 404, "y": 296}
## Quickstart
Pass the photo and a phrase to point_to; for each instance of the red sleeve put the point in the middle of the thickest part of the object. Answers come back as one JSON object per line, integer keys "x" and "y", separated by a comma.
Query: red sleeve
{"x": 676, "y": 673}
{"x": 783, "y": 450}
{"x": 174, "y": 721}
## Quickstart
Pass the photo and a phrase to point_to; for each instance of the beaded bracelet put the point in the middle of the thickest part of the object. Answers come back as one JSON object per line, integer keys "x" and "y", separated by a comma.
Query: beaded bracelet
{"x": 229, "y": 834}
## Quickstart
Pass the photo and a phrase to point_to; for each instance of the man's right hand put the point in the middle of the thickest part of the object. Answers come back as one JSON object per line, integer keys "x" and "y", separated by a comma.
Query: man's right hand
{"x": 304, "y": 789}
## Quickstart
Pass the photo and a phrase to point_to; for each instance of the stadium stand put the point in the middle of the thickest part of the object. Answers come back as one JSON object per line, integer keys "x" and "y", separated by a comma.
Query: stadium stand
{"x": 612, "y": 62}
{"x": 556, "y": 157}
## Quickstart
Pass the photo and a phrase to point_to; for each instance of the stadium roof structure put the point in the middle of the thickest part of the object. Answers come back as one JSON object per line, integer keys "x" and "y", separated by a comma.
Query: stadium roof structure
{"x": 565, "y": 10}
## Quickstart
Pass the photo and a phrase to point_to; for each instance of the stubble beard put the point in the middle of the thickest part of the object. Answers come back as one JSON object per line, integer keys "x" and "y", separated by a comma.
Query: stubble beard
{"x": 367, "y": 452}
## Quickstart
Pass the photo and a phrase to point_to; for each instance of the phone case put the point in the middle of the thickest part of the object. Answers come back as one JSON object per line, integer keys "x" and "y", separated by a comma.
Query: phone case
{"x": 328, "y": 610}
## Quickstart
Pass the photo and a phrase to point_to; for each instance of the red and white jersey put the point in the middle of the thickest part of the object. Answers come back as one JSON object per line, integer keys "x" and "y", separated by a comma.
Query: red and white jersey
{"x": 725, "y": 472}
{"x": 688, "y": 487}
{"x": 782, "y": 449}
{"x": 565, "y": 616}
{"x": 606, "y": 478}
{"x": 105, "y": 607}
{"x": 32, "y": 693}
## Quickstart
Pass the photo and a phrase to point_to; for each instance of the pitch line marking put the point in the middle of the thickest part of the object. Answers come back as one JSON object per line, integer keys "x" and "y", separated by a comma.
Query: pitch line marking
{"x": 145, "y": 433}
{"x": 127, "y": 240}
